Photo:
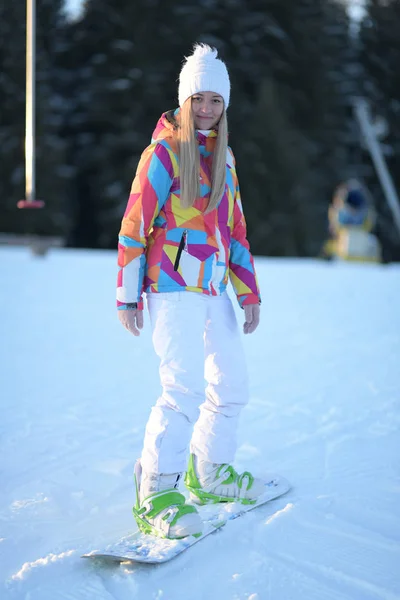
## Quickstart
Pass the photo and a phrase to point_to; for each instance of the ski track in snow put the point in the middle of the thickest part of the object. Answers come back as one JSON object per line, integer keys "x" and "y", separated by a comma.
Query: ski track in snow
{"x": 324, "y": 412}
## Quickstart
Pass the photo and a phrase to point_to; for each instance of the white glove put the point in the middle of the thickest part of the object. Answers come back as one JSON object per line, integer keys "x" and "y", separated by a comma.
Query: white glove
{"x": 252, "y": 317}
{"x": 132, "y": 320}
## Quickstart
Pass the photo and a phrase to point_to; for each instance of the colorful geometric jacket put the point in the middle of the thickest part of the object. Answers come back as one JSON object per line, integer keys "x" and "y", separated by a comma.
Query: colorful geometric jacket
{"x": 166, "y": 248}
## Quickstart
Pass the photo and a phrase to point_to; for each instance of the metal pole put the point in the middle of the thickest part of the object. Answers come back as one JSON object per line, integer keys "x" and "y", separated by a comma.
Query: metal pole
{"x": 30, "y": 201}
{"x": 30, "y": 101}
{"x": 362, "y": 114}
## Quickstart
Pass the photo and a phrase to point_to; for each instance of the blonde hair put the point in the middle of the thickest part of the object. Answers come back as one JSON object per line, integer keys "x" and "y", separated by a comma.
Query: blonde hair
{"x": 189, "y": 158}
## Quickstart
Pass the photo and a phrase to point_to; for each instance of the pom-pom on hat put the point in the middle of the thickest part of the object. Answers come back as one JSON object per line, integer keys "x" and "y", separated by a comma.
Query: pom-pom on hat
{"x": 204, "y": 72}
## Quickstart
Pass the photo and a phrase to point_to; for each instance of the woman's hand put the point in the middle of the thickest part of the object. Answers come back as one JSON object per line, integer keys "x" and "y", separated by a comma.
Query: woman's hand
{"x": 252, "y": 317}
{"x": 132, "y": 320}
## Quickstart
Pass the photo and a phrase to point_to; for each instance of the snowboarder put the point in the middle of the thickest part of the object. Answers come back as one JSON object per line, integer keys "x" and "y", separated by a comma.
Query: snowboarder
{"x": 351, "y": 221}
{"x": 183, "y": 235}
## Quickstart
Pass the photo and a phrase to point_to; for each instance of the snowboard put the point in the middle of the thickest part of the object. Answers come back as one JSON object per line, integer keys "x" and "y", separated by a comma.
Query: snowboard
{"x": 143, "y": 548}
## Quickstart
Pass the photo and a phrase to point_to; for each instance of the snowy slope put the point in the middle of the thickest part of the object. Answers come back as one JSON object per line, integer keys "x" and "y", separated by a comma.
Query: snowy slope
{"x": 76, "y": 390}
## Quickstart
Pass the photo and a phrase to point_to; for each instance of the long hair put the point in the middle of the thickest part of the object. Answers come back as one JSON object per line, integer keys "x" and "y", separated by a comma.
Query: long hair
{"x": 189, "y": 158}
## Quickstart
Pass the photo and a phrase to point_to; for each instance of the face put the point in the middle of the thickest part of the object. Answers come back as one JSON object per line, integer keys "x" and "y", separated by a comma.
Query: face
{"x": 207, "y": 108}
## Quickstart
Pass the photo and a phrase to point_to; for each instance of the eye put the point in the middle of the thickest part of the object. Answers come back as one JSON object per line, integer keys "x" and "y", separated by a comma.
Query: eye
{"x": 217, "y": 100}
{"x": 196, "y": 99}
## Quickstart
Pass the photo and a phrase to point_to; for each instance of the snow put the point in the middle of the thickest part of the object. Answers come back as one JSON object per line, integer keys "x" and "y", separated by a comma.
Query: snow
{"x": 324, "y": 412}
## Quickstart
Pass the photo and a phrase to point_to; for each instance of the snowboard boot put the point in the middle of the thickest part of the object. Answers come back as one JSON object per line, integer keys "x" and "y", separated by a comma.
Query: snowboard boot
{"x": 160, "y": 509}
{"x": 212, "y": 483}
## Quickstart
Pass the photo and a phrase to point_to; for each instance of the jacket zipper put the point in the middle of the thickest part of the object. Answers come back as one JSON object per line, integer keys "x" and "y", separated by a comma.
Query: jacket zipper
{"x": 181, "y": 247}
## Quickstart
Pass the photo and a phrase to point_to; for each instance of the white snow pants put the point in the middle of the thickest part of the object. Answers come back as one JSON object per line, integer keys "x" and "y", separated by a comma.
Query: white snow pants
{"x": 203, "y": 377}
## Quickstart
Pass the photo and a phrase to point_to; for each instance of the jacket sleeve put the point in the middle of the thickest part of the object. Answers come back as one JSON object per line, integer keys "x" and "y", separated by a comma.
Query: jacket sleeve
{"x": 150, "y": 190}
{"x": 241, "y": 263}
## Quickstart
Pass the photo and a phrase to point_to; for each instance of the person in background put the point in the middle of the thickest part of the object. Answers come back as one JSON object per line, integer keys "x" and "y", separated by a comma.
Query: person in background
{"x": 183, "y": 236}
{"x": 351, "y": 221}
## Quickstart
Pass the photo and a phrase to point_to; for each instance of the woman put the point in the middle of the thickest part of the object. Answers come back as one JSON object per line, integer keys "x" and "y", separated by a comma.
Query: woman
{"x": 183, "y": 236}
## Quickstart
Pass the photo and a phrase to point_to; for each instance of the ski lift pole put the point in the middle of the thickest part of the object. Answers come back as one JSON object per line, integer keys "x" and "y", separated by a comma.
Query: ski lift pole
{"x": 362, "y": 114}
{"x": 30, "y": 201}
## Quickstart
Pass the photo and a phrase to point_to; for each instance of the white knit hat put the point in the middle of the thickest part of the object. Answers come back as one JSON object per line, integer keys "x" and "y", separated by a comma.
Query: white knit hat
{"x": 204, "y": 72}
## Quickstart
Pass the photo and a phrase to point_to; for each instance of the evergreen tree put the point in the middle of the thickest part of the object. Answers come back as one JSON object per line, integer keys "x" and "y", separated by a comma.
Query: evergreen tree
{"x": 380, "y": 55}
{"x": 302, "y": 48}
{"x": 122, "y": 84}
{"x": 12, "y": 114}
{"x": 318, "y": 99}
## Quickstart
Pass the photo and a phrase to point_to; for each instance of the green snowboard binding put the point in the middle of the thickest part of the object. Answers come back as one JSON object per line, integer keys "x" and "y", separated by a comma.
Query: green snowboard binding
{"x": 209, "y": 483}
{"x": 164, "y": 513}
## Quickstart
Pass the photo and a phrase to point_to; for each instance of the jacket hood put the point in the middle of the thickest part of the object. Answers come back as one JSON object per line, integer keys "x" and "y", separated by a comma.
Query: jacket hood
{"x": 166, "y": 127}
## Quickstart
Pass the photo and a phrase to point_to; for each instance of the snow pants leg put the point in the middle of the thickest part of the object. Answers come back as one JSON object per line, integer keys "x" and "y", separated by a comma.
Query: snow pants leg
{"x": 197, "y": 340}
